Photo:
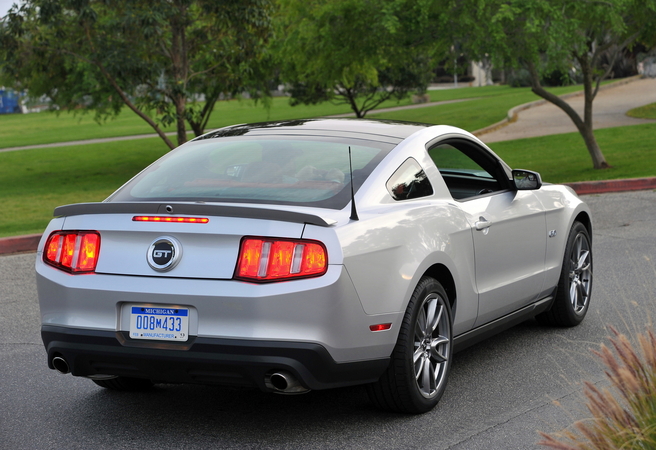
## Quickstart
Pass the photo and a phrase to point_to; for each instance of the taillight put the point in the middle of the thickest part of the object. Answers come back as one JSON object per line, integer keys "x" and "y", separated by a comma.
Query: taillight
{"x": 263, "y": 259}
{"x": 73, "y": 251}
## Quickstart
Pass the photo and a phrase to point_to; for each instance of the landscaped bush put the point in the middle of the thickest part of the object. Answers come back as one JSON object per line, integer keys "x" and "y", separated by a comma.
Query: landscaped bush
{"x": 624, "y": 416}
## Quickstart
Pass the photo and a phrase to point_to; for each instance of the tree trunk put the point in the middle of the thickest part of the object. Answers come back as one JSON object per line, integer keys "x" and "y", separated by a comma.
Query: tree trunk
{"x": 199, "y": 124}
{"x": 180, "y": 71}
{"x": 590, "y": 92}
{"x": 181, "y": 129}
{"x": 584, "y": 126}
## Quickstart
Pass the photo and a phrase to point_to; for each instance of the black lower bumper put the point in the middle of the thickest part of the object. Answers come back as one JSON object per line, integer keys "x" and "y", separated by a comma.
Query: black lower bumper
{"x": 203, "y": 360}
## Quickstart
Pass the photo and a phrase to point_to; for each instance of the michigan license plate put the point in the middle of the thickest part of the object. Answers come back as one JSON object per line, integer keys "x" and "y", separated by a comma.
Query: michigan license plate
{"x": 159, "y": 323}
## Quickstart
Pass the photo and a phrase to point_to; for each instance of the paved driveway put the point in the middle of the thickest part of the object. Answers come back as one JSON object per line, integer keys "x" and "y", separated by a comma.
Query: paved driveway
{"x": 608, "y": 110}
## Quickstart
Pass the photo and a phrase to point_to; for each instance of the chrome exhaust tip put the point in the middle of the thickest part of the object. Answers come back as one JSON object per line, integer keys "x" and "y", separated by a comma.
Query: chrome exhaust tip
{"x": 283, "y": 382}
{"x": 60, "y": 365}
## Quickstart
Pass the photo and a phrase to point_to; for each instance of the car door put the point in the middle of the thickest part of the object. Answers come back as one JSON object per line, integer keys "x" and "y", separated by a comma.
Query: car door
{"x": 508, "y": 227}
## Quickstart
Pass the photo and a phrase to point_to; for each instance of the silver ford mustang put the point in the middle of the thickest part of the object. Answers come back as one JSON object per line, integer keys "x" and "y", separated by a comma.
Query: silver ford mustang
{"x": 310, "y": 254}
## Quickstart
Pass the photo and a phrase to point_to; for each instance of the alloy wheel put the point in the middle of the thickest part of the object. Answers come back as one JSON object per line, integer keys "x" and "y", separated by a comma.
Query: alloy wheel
{"x": 580, "y": 273}
{"x": 432, "y": 345}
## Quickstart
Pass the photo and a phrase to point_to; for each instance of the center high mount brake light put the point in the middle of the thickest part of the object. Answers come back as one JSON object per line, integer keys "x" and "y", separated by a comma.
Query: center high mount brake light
{"x": 170, "y": 219}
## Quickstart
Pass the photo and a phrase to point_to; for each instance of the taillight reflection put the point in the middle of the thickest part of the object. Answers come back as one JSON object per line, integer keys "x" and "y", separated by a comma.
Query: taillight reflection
{"x": 263, "y": 260}
{"x": 73, "y": 251}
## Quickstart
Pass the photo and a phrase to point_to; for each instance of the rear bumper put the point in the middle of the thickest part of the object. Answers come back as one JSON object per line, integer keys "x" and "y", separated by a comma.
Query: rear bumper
{"x": 203, "y": 360}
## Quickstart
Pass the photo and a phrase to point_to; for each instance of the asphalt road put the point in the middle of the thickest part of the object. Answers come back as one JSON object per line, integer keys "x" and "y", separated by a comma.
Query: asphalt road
{"x": 501, "y": 392}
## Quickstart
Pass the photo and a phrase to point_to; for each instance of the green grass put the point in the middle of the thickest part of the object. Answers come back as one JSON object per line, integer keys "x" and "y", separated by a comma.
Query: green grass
{"x": 34, "y": 182}
{"x": 489, "y": 105}
{"x": 644, "y": 112}
{"x": 561, "y": 158}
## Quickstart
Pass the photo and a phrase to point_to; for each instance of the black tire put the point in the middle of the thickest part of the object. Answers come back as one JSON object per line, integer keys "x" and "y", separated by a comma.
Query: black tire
{"x": 125, "y": 384}
{"x": 575, "y": 284}
{"x": 417, "y": 375}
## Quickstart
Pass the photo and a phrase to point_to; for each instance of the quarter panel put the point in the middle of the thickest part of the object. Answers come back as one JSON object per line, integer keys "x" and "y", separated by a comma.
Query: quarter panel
{"x": 387, "y": 254}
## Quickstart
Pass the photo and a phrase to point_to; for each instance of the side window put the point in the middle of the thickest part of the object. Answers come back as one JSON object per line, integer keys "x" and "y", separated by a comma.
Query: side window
{"x": 449, "y": 159}
{"x": 409, "y": 181}
{"x": 467, "y": 170}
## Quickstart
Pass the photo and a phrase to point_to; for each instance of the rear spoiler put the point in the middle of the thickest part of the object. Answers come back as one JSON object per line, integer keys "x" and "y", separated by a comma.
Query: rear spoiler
{"x": 79, "y": 209}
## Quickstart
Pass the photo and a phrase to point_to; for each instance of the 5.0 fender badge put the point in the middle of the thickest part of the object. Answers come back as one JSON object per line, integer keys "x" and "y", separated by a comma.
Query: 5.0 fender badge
{"x": 164, "y": 253}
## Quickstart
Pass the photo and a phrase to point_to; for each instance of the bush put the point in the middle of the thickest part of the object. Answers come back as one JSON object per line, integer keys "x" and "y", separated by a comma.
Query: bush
{"x": 519, "y": 78}
{"x": 623, "y": 417}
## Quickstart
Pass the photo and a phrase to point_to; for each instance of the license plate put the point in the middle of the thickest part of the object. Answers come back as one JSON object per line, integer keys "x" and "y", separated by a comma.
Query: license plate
{"x": 159, "y": 323}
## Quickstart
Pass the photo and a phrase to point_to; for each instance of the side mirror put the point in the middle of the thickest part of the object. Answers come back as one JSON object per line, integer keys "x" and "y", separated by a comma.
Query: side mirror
{"x": 525, "y": 180}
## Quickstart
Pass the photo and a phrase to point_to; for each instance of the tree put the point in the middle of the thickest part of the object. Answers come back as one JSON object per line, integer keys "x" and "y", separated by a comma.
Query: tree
{"x": 548, "y": 35}
{"x": 169, "y": 61}
{"x": 356, "y": 52}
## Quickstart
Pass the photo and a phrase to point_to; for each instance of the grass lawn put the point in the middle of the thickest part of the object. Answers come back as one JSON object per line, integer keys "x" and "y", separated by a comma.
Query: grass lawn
{"x": 34, "y": 182}
{"x": 489, "y": 104}
{"x": 644, "y": 112}
{"x": 562, "y": 158}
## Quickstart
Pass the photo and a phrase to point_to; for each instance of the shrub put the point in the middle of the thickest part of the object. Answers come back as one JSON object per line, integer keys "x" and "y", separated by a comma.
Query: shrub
{"x": 623, "y": 417}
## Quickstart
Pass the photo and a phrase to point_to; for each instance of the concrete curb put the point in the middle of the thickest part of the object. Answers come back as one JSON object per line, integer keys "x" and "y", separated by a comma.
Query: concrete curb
{"x": 29, "y": 243}
{"x": 603, "y": 187}
{"x": 19, "y": 244}
{"x": 513, "y": 113}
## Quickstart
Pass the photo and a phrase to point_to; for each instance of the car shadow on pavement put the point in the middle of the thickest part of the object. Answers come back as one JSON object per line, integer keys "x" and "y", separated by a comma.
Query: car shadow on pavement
{"x": 487, "y": 379}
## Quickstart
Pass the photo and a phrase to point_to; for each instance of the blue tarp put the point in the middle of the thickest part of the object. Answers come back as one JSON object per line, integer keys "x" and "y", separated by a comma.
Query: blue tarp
{"x": 9, "y": 102}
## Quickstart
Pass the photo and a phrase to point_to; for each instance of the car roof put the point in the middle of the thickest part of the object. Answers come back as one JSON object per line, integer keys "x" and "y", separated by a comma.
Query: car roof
{"x": 364, "y": 128}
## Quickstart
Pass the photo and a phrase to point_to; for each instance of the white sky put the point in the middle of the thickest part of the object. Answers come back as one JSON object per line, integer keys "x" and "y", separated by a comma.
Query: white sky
{"x": 5, "y": 5}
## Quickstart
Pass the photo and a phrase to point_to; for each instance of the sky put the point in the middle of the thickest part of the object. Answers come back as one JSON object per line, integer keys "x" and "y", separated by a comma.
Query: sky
{"x": 5, "y": 5}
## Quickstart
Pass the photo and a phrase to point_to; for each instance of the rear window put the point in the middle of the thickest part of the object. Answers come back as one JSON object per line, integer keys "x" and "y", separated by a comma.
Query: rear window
{"x": 309, "y": 171}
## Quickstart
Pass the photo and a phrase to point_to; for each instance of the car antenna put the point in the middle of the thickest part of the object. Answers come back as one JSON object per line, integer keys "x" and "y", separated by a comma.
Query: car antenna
{"x": 354, "y": 213}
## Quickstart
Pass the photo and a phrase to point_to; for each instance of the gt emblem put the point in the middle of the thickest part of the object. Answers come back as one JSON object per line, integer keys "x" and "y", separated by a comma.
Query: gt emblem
{"x": 552, "y": 233}
{"x": 164, "y": 253}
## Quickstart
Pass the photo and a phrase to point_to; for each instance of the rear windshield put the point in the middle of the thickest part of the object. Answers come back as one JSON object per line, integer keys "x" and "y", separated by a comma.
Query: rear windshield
{"x": 309, "y": 171}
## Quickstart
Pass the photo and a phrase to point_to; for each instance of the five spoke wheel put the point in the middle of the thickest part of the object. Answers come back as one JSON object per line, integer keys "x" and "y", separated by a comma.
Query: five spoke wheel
{"x": 580, "y": 273}
{"x": 432, "y": 345}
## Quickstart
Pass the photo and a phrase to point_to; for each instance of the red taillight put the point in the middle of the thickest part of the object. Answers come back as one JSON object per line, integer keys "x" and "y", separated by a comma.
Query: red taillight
{"x": 73, "y": 251}
{"x": 263, "y": 259}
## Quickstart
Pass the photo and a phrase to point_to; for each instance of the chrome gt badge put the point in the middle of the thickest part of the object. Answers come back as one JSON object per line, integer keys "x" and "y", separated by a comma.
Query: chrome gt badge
{"x": 164, "y": 253}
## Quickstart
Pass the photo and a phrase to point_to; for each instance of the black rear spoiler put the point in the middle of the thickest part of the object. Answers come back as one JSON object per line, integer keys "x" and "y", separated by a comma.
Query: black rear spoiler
{"x": 204, "y": 209}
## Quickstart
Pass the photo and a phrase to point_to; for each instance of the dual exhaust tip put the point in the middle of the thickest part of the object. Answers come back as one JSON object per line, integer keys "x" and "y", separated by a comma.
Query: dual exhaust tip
{"x": 283, "y": 382}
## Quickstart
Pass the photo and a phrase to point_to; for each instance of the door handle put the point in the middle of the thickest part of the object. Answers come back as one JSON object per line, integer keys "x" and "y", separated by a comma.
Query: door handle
{"x": 482, "y": 224}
